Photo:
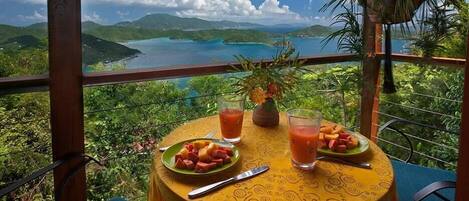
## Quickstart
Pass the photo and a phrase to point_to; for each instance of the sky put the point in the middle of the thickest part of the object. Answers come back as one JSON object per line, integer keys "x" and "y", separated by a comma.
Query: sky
{"x": 267, "y": 12}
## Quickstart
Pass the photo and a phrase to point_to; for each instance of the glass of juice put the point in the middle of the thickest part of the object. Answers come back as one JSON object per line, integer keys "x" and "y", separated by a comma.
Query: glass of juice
{"x": 303, "y": 132}
{"x": 231, "y": 112}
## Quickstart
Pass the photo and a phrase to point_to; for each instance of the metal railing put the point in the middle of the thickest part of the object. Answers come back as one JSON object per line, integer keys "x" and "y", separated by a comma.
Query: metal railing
{"x": 407, "y": 137}
{"x": 20, "y": 85}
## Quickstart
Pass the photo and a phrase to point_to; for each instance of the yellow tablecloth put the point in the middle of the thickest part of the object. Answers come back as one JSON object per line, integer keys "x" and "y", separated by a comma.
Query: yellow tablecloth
{"x": 259, "y": 146}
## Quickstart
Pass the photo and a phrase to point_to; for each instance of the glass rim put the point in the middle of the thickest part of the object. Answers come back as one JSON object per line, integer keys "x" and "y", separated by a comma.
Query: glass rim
{"x": 310, "y": 114}
{"x": 231, "y": 98}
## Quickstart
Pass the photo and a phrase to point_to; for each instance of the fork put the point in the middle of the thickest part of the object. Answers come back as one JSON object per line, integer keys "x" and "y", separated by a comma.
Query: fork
{"x": 209, "y": 135}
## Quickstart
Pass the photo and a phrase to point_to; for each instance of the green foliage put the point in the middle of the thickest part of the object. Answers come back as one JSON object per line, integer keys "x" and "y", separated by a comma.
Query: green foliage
{"x": 208, "y": 87}
{"x": 333, "y": 90}
{"x": 434, "y": 29}
{"x": 312, "y": 31}
{"x": 349, "y": 38}
{"x": 25, "y": 142}
{"x": 32, "y": 62}
{"x": 416, "y": 101}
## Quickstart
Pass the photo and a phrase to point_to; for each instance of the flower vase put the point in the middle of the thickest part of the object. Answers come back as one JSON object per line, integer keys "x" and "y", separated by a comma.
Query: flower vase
{"x": 266, "y": 114}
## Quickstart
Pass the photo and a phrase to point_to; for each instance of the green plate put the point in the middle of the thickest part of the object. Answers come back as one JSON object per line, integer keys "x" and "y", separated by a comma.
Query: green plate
{"x": 362, "y": 147}
{"x": 168, "y": 157}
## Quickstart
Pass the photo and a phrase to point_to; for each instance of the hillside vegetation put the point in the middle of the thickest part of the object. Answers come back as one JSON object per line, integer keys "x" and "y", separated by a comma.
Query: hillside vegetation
{"x": 97, "y": 50}
{"x": 170, "y": 22}
{"x": 312, "y": 31}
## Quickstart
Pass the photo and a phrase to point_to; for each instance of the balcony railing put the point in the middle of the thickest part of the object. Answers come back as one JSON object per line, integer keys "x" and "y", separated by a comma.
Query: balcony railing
{"x": 144, "y": 155}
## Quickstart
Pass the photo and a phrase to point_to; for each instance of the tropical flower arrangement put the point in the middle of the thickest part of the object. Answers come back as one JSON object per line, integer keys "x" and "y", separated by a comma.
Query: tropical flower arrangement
{"x": 268, "y": 81}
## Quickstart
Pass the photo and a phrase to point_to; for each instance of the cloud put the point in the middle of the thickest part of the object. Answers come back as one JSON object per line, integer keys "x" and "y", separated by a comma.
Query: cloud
{"x": 269, "y": 11}
{"x": 94, "y": 17}
{"x": 37, "y": 16}
{"x": 273, "y": 6}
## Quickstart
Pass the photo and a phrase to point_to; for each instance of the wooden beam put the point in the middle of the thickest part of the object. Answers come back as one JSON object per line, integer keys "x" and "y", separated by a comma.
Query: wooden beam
{"x": 11, "y": 85}
{"x": 27, "y": 84}
{"x": 66, "y": 94}
{"x": 372, "y": 33}
{"x": 143, "y": 74}
{"x": 462, "y": 181}
{"x": 437, "y": 61}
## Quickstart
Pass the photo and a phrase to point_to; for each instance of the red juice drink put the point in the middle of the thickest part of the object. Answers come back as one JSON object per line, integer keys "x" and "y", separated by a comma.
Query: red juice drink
{"x": 304, "y": 143}
{"x": 231, "y": 122}
{"x": 231, "y": 112}
{"x": 303, "y": 132}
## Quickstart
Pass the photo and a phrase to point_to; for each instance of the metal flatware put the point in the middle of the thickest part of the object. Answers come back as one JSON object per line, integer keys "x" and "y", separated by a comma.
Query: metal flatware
{"x": 212, "y": 187}
{"x": 209, "y": 135}
{"x": 344, "y": 161}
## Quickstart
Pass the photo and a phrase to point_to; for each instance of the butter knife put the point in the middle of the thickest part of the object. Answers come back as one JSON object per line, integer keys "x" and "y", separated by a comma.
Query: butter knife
{"x": 212, "y": 187}
{"x": 346, "y": 162}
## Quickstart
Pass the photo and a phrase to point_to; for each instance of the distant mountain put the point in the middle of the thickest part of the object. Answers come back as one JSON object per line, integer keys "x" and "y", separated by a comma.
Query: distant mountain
{"x": 7, "y": 32}
{"x": 293, "y": 25}
{"x": 119, "y": 34}
{"x": 87, "y": 25}
{"x": 84, "y": 25}
{"x": 34, "y": 37}
{"x": 168, "y": 22}
{"x": 99, "y": 50}
{"x": 313, "y": 31}
{"x": 40, "y": 25}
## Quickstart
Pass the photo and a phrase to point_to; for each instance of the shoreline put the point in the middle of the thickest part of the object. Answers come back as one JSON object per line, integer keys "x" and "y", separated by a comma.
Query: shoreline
{"x": 126, "y": 43}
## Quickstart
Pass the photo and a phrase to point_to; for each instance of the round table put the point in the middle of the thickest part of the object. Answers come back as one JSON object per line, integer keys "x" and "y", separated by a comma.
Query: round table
{"x": 328, "y": 181}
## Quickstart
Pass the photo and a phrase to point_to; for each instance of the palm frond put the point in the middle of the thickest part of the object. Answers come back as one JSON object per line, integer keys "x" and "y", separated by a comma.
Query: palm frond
{"x": 349, "y": 38}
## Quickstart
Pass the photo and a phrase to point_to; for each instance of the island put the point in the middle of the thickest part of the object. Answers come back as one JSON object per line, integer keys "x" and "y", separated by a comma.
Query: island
{"x": 312, "y": 31}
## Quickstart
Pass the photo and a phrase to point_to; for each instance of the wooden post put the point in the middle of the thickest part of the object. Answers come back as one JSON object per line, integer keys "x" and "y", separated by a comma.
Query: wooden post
{"x": 462, "y": 181}
{"x": 66, "y": 93}
{"x": 372, "y": 39}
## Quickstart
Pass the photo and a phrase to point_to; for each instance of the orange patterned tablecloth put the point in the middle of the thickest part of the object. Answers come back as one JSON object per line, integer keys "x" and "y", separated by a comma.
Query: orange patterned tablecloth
{"x": 329, "y": 181}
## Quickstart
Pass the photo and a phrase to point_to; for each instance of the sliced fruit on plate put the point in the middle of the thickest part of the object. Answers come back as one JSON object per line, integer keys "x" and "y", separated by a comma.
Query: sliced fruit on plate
{"x": 202, "y": 156}
{"x": 335, "y": 138}
{"x": 189, "y": 164}
{"x": 331, "y": 136}
{"x": 202, "y": 167}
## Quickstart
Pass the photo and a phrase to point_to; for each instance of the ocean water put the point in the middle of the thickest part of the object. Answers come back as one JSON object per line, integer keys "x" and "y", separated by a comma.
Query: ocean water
{"x": 165, "y": 52}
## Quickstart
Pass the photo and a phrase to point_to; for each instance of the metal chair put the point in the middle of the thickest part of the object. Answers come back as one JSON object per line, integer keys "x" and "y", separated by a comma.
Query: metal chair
{"x": 409, "y": 176}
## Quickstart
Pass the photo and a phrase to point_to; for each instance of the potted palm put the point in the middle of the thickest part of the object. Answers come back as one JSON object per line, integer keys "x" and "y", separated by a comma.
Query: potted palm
{"x": 392, "y": 11}
{"x": 382, "y": 11}
{"x": 267, "y": 82}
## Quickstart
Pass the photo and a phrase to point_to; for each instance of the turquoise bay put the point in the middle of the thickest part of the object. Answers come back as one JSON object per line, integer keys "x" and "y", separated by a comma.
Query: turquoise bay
{"x": 160, "y": 52}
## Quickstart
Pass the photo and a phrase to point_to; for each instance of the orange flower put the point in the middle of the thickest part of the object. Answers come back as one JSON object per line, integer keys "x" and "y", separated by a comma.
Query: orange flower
{"x": 272, "y": 90}
{"x": 258, "y": 95}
